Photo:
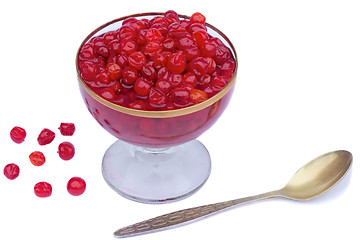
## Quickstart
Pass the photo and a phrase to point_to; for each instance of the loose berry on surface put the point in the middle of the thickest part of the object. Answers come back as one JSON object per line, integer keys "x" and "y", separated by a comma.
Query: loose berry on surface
{"x": 18, "y": 134}
{"x": 45, "y": 137}
{"x": 67, "y": 129}
{"x": 43, "y": 189}
{"x": 11, "y": 171}
{"x": 76, "y": 186}
{"x": 66, "y": 151}
{"x": 37, "y": 158}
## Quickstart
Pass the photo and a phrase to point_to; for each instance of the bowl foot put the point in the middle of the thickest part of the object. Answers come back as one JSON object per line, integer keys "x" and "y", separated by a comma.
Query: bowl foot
{"x": 151, "y": 175}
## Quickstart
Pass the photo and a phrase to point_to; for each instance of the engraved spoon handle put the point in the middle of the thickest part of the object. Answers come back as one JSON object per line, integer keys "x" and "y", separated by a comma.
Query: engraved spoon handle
{"x": 182, "y": 217}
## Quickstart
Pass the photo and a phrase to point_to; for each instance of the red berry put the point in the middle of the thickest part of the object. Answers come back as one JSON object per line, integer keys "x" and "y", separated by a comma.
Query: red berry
{"x": 152, "y": 48}
{"x": 197, "y": 18}
{"x": 180, "y": 96}
{"x": 11, "y": 171}
{"x": 153, "y": 34}
{"x": 200, "y": 37}
{"x": 43, "y": 189}
{"x": 142, "y": 87}
{"x": 160, "y": 60}
{"x": 176, "y": 31}
{"x": 89, "y": 71}
{"x": 76, "y": 186}
{"x": 127, "y": 33}
{"x": 157, "y": 98}
{"x": 197, "y": 96}
{"x": 18, "y": 134}
{"x": 176, "y": 80}
{"x": 128, "y": 47}
{"x": 218, "y": 83}
{"x": 192, "y": 52}
{"x": 66, "y": 151}
{"x": 148, "y": 72}
{"x": 137, "y": 60}
{"x": 199, "y": 66}
{"x": 185, "y": 42}
{"x": 194, "y": 27}
{"x": 37, "y": 158}
{"x": 164, "y": 85}
{"x": 46, "y": 136}
{"x": 208, "y": 49}
{"x": 87, "y": 52}
{"x": 190, "y": 78}
{"x": 108, "y": 37}
{"x": 177, "y": 62}
{"x": 169, "y": 44}
{"x": 222, "y": 54}
{"x": 114, "y": 71}
{"x": 130, "y": 75}
{"x": 122, "y": 60}
{"x": 67, "y": 129}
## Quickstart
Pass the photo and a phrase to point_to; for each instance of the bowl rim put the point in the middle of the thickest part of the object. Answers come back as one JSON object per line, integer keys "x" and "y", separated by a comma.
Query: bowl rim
{"x": 153, "y": 113}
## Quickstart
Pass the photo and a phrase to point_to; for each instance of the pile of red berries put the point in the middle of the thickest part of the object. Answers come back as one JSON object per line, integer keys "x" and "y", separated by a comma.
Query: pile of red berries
{"x": 159, "y": 64}
{"x": 75, "y": 186}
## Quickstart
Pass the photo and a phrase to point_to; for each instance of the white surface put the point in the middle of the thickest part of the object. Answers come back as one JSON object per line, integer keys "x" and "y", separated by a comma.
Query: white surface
{"x": 297, "y": 97}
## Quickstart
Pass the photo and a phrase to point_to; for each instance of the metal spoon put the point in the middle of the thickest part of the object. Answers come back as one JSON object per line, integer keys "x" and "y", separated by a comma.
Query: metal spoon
{"x": 311, "y": 180}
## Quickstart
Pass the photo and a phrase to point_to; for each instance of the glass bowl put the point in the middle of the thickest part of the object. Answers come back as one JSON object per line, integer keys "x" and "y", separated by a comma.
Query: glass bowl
{"x": 157, "y": 158}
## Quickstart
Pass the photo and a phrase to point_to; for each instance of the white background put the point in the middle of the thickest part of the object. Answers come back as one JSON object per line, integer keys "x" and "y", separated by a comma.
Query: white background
{"x": 297, "y": 97}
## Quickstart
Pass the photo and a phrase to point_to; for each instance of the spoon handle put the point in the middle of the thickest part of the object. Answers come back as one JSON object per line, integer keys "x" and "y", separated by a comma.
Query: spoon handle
{"x": 182, "y": 217}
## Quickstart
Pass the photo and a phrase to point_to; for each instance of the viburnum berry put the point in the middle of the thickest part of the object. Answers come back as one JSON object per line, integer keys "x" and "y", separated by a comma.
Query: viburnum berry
{"x": 18, "y": 134}
{"x": 200, "y": 37}
{"x": 218, "y": 83}
{"x": 67, "y": 129}
{"x": 76, "y": 186}
{"x": 148, "y": 72}
{"x": 46, "y": 136}
{"x": 128, "y": 47}
{"x": 153, "y": 34}
{"x": 164, "y": 85}
{"x": 177, "y": 62}
{"x": 190, "y": 78}
{"x": 176, "y": 80}
{"x": 169, "y": 44}
{"x": 43, "y": 189}
{"x": 126, "y": 33}
{"x": 142, "y": 87}
{"x": 197, "y": 96}
{"x": 11, "y": 171}
{"x": 114, "y": 71}
{"x": 137, "y": 60}
{"x": 66, "y": 151}
{"x": 130, "y": 74}
{"x": 197, "y": 18}
{"x": 180, "y": 96}
{"x": 156, "y": 97}
{"x": 152, "y": 48}
{"x": 37, "y": 158}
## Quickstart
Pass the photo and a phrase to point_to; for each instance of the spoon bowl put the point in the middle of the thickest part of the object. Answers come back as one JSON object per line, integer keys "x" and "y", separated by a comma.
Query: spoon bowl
{"x": 313, "y": 179}
{"x": 318, "y": 176}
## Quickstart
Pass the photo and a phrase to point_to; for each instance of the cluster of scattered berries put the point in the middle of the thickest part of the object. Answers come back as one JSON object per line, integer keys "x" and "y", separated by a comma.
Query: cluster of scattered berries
{"x": 66, "y": 150}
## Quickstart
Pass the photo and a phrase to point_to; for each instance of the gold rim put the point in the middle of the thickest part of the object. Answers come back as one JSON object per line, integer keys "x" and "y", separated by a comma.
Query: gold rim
{"x": 158, "y": 114}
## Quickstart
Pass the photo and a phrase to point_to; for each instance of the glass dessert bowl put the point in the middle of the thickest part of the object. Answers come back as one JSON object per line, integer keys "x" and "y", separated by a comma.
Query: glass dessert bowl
{"x": 157, "y": 158}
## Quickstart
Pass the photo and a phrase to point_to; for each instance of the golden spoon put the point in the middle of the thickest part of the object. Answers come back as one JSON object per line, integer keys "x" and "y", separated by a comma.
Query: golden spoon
{"x": 311, "y": 180}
